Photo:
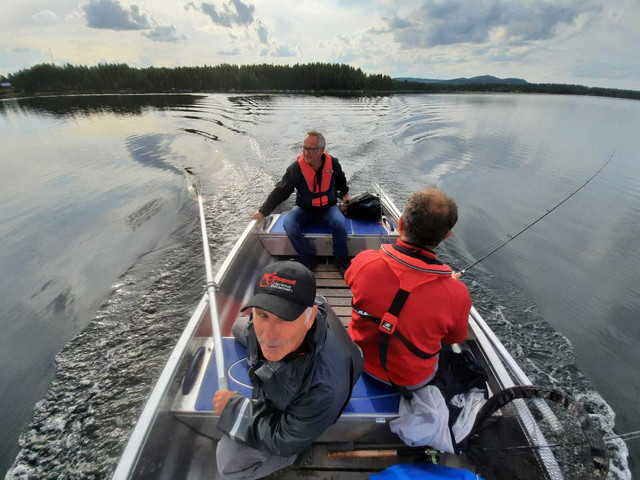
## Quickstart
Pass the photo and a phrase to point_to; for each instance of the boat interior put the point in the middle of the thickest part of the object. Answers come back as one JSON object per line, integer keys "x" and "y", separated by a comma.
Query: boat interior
{"x": 176, "y": 435}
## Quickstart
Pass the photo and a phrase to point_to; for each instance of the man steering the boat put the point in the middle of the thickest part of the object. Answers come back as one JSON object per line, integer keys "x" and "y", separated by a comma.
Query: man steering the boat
{"x": 303, "y": 367}
{"x": 319, "y": 182}
{"x": 406, "y": 303}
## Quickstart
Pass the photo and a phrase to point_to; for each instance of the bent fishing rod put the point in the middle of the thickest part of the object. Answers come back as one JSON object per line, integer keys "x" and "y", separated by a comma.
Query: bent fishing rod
{"x": 223, "y": 384}
{"x": 547, "y": 212}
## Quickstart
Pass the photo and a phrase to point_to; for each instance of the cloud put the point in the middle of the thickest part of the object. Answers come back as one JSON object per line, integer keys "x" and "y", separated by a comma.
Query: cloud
{"x": 45, "y": 16}
{"x": 263, "y": 33}
{"x": 165, "y": 33}
{"x": 438, "y": 23}
{"x": 234, "y": 12}
{"x": 113, "y": 15}
{"x": 349, "y": 48}
{"x": 396, "y": 23}
{"x": 279, "y": 50}
{"x": 230, "y": 51}
{"x": 283, "y": 50}
{"x": 618, "y": 71}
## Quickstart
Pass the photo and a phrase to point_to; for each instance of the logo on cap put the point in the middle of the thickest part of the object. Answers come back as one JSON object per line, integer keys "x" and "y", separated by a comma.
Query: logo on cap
{"x": 272, "y": 280}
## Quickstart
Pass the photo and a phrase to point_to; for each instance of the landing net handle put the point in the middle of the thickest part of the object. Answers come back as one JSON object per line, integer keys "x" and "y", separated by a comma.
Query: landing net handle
{"x": 223, "y": 383}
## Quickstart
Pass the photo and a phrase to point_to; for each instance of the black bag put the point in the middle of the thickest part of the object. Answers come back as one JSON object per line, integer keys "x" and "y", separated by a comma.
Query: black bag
{"x": 364, "y": 206}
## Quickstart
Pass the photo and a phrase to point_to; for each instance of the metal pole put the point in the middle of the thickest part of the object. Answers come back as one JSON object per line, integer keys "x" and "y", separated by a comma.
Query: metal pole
{"x": 223, "y": 384}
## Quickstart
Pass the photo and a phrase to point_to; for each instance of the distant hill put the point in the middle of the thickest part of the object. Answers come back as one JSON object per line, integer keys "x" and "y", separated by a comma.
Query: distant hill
{"x": 463, "y": 81}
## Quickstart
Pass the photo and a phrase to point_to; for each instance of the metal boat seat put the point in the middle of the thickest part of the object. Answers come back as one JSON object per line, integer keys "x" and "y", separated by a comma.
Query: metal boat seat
{"x": 373, "y": 403}
{"x": 361, "y": 235}
{"x": 370, "y": 396}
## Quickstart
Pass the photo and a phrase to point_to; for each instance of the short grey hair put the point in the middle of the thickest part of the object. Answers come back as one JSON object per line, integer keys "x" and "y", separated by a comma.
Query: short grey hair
{"x": 428, "y": 216}
{"x": 322, "y": 143}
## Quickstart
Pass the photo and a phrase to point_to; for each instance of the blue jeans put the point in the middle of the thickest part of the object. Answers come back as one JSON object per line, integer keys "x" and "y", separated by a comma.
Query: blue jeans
{"x": 297, "y": 219}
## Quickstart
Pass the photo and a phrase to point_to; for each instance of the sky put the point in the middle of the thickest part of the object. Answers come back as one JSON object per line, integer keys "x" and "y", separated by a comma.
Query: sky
{"x": 587, "y": 42}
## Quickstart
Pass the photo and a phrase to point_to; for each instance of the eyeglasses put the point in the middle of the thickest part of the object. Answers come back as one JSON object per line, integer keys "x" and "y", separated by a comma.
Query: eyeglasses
{"x": 311, "y": 149}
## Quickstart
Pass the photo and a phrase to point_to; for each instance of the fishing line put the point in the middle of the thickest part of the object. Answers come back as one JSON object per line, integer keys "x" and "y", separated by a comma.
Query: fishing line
{"x": 547, "y": 212}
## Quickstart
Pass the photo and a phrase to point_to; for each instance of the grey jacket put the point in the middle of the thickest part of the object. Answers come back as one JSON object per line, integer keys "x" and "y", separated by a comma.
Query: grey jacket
{"x": 294, "y": 401}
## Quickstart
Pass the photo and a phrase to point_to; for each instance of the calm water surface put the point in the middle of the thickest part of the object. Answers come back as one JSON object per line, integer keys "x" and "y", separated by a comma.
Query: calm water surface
{"x": 101, "y": 264}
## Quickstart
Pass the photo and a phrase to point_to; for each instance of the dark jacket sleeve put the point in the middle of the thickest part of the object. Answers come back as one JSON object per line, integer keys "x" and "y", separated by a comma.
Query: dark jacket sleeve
{"x": 251, "y": 423}
{"x": 341, "y": 181}
{"x": 283, "y": 189}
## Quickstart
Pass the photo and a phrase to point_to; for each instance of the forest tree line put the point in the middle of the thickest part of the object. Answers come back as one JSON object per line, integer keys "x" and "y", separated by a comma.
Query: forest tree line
{"x": 312, "y": 77}
{"x": 111, "y": 78}
{"x": 551, "y": 88}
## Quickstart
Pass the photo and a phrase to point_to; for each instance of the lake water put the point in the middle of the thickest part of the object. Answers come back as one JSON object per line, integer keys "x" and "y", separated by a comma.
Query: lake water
{"x": 100, "y": 249}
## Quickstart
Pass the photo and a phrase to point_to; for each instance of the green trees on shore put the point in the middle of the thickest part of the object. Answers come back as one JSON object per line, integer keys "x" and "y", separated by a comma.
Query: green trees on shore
{"x": 312, "y": 77}
{"x": 551, "y": 88}
{"x": 47, "y": 78}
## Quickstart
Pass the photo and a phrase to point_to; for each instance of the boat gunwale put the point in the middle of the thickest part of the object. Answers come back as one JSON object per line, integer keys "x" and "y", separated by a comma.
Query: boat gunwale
{"x": 135, "y": 444}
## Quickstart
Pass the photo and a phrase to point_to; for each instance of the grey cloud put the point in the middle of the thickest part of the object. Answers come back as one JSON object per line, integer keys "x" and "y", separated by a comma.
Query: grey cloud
{"x": 613, "y": 70}
{"x": 445, "y": 23}
{"x": 112, "y": 15}
{"x": 283, "y": 50}
{"x": 231, "y": 51}
{"x": 280, "y": 50}
{"x": 165, "y": 33}
{"x": 263, "y": 33}
{"x": 245, "y": 12}
{"x": 396, "y": 22}
{"x": 231, "y": 13}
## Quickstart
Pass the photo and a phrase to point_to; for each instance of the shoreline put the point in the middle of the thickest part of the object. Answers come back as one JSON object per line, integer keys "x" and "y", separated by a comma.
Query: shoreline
{"x": 632, "y": 95}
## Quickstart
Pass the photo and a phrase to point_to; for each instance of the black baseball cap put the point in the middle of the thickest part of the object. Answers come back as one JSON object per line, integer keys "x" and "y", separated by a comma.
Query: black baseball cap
{"x": 285, "y": 289}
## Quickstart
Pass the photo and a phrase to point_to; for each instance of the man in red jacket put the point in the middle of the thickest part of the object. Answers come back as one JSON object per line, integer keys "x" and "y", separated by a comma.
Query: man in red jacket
{"x": 406, "y": 303}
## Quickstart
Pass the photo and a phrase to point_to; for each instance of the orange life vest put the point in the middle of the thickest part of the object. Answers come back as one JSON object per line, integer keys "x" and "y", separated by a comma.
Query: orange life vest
{"x": 318, "y": 197}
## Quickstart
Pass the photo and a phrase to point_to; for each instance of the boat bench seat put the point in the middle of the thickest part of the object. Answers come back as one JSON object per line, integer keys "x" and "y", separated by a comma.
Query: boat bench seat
{"x": 373, "y": 403}
{"x": 369, "y": 394}
{"x": 361, "y": 235}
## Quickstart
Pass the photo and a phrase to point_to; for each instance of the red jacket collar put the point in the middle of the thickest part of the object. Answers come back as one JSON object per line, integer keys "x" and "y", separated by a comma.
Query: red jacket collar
{"x": 422, "y": 251}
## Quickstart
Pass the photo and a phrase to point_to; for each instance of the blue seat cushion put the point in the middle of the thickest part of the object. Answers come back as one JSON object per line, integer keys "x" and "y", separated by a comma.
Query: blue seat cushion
{"x": 370, "y": 396}
{"x": 354, "y": 227}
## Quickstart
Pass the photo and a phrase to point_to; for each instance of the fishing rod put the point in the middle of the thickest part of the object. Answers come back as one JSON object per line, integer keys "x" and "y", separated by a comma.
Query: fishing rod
{"x": 223, "y": 383}
{"x": 513, "y": 237}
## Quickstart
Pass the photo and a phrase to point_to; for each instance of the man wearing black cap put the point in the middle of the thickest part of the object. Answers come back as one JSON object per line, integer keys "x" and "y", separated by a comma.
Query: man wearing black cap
{"x": 302, "y": 365}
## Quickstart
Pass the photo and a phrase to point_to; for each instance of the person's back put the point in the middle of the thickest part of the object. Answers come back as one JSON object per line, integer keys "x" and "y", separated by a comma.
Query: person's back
{"x": 435, "y": 312}
{"x": 434, "y": 306}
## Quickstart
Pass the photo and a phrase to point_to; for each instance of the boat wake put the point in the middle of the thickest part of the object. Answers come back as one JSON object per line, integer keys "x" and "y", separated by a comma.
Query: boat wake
{"x": 545, "y": 355}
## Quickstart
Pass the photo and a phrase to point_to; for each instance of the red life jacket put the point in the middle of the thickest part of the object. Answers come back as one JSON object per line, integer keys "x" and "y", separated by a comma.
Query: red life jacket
{"x": 422, "y": 273}
{"x": 318, "y": 197}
